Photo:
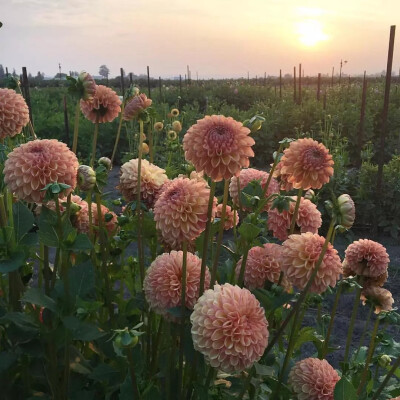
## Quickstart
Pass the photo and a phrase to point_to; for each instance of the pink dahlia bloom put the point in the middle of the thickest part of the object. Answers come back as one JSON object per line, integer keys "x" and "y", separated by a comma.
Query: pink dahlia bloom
{"x": 151, "y": 182}
{"x": 308, "y": 219}
{"x": 135, "y": 106}
{"x": 229, "y": 328}
{"x": 380, "y": 297}
{"x": 14, "y": 113}
{"x": 283, "y": 178}
{"x": 248, "y": 175}
{"x": 231, "y": 218}
{"x": 367, "y": 258}
{"x": 163, "y": 281}
{"x": 31, "y": 166}
{"x": 367, "y": 281}
{"x": 300, "y": 256}
{"x": 263, "y": 264}
{"x": 313, "y": 379}
{"x": 307, "y": 164}
{"x": 218, "y": 145}
{"x": 181, "y": 211}
{"x": 105, "y": 105}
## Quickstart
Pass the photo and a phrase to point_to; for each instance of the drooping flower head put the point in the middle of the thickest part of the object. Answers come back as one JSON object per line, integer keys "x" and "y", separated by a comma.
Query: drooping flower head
{"x": 152, "y": 179}
{"x": 87, "y": 86}
{"x": 308, "y": 219}
{"x": 14, "y": 113}
{"x": 33, "y": 165}
{"x": 307, "y": 164}
{"x": 218, "y": 145}
{"x": 135, "y": 106}
{"x": 367, "y": 258}
{"x": 231, "y": 218}
{"x": 248, "y": 175}
{"x": 181, "y": 211}
{"x": 163, "y": 281}
{"x": 367, "y": 280}
{"x": 229, "y": 328}
{"x": 380, "y": 297}
{"x": 263, "y": 264}
{"x": 300, "y": 256}
{"x": 105, "y": 105}
{"x": 313, "y": 379}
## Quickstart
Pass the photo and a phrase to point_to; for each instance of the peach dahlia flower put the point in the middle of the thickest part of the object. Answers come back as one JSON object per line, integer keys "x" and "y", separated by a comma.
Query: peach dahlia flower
{"x": 14, "y": 113}
{"x": 229, "y": 328}
{"x": 33, "y": 165}
{"x": 300, "y": 256}
{"x": 307, "y": 164}
{"x": 135, "y": 106}
{"x": 380, "y": 297}
{"x": 218, "y": 145}
{"x": 231, "y": 219}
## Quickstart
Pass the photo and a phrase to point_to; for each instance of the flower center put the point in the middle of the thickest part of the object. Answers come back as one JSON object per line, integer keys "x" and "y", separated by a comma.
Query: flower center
{"x": 314, "y": 158}
{"x": 102, "y": 110}
{"x": 219, "y": 138}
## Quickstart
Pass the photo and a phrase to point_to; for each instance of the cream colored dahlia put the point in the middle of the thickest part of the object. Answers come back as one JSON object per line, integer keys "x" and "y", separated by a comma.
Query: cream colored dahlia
{"x": 171, "y": 135}
{"x": 229, "y": 328}
{"x": 181, "y": 211}
{"x": 158, "y": 126}
{"x": 231, "y": 218}
{"x": 218, "y": 145}
{"x": 263, "y": 264}
{"x": 367, "y": 258}
{"x": 105, "y": 105}
{"x": 380, "y": 297}
{"x": 307, "y": 163}
{"x": 313, "y": 379}
{"x": 248, "y": 175}
{"x": 14, "y": 113}
{"x": 33, "y": 165}
{"x": 176, "y": 126}
{"x": 152, "y": 179}
{"x": 308, "y": 219}
{"x": 347, "y": 211}
{"x": 163, "y": 282}
{"x": 174, "y": 112}
{"x": 282, "y": 178}
{"x": 135, "y": 106}
{"x": 300, "y": 256}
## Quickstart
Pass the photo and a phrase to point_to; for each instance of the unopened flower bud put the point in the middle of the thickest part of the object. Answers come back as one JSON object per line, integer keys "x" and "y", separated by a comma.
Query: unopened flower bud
{"x": 86, "y": 178}
{"x": 145, "y": 148}
{"x": 74, "y": 208}
{"x": 158, "y": 126}
{"x": 105, "y": 161}
{"x": 310, "y": 195}
{"x": 176, "y": 126}
{"x": 172, "y": 135}
{"x": 174, "y": 112}
{"x": 384, "y": 360}
{"x": 346, "y": 211}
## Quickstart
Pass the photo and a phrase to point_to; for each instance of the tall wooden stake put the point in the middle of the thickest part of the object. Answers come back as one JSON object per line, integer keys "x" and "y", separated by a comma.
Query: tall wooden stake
{"x": 362, "y": 119}
{"x": 333, "y": 72}
{"x": 159, "y": 85}
{"x": 25, "y": 84}
{"x": 130, "y": 78}
{"x": 280, "y": 83}
{"x": 299, "y": 83}
{"x": 122, "y": 82}
{"x": 319, "y": 86}
{"x": 66, "y": 122}
{"x": 148, "y": 81}
{"x": 294, "y": 85}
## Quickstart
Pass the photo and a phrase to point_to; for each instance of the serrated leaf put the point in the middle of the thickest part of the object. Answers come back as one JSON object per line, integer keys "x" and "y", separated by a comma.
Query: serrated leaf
{"x": 36, "y": 296}
{"x": 249, "y": 231}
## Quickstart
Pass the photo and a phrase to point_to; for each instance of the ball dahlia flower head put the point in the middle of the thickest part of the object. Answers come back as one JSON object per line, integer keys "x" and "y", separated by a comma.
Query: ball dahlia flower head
{"x": 229, "y": 328}
{"x": 151, "y": 181}
{"x": 231, "y": 218}
{"x": 163, "y": 281}
{"x": 248, "y": 175}
{"x": 313, "y": 379}
{"x": 33, "y": 165}
{"x": 308, "y": 219}
{"x": 306, "y": 164}
{"x": 135, "y": 106}
{"x": 181, "y": 211}
{"x": 14, "y": 113}
{"x": 219, "y": 146}
{"x": 104, "y": 107}
{"x": 299, "y": 259}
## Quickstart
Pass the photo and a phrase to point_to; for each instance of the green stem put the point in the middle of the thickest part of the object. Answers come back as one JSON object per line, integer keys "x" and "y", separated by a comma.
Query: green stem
{"x": 220, "y": 233}
{"x": 206, "y": 238}
{"x": 296, "y": 211}
{"x": 118, "y": 134}
{"x": 151, "y": 146}
{"x": 94, "y": 143}
{"x": 365, "y": 330}
{"x": 138, "y": 204}
{"x": 76, "y": 126}
{"x": 209, "y": 378}
{"x": 136, "y": 394}
{"x": 154, "y": 358}
{"x": 243, "y": 265}
{"x": 386, "y": 380}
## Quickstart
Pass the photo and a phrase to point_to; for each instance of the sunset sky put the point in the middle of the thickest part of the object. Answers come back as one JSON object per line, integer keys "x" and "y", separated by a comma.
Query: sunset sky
{"x": 217, "y": 38}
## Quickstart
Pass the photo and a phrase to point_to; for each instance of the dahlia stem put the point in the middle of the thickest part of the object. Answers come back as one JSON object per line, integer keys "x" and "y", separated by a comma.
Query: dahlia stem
{"x": 272, "y": 170}
{"x": 183, "y": 312}
{"x": 209, "y": 378}
{"x": 118, "y": 134}
{"x": 138, "y": 203}
{"x": 369, "y": 356}
{"x": 365, "y": 330}
{"x": 154, "y": 357}
{"x": 296, "y": 211}
{"x": 136, "y": 393}
{"x": 330, "y": 326}
{"x": 243, "y": 265}
{"x": 206, "y": 238}
{"x": 220, "y": 233}
{"x": 95, "y": 135}
{"x": 352, "y": 322}
{"x": 76, "y": 126}
{"x": 151, "y": 145}
{"x": 386, "y": 380}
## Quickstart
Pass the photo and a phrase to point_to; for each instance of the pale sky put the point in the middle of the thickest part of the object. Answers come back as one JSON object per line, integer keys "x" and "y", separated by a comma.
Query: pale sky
{"x": 217, "y": 38}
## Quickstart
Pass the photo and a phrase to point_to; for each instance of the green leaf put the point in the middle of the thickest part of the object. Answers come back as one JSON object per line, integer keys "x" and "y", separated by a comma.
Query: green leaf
{"x": 16, "y": 260}
{"x": 344, "y": 390}
{"x": 22, "y": 320}
{"x": 36, "y": 296}
{"x": 23, "y": 220}
{"x": 82, "y": 330}
{"x": 81, "y": 243}
{"x": 6, "y": 361}
{"x": 249, "y": 231}
{"x": 305, "y": 335}
{"x": 264, "y": 370}
{"x": 81, "y": 280}
{"x": 104, "y": 372}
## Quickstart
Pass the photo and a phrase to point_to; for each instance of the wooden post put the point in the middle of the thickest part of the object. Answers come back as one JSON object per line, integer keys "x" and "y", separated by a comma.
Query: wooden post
{"x": 256, "y": 80}
{"x": 130, "y": 78}
{"x": 384, "y": 118}
{"x": 333, "y": 72}
{"x": 324, "y": 103}
{"x": 294, "y": 85}
{"x": 66, "y": 123}
{"x": 180, "y": 84}
{"x": 265, "y": 78}
{"x": 275, "y": 89}
{"x": 159, "y": 85}
{"x": 122, "y": 82}
{"x": 319, "y": 86}
{"x": 299, "y": 83}
{"x": 7, "y": 72}
{"x": 148, "y": 81}
{"x": 280, "y": 83}
{"x": 25, "y": 85}
{"x": 188, "y": 74}
{"x": 362, "y": 119}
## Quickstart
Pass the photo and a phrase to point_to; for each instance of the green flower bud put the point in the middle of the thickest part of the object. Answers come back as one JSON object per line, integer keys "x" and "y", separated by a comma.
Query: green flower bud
{"x": 384, "y": 360}
{"x": 105, "y": 161}
{"x": 86, "y": 178}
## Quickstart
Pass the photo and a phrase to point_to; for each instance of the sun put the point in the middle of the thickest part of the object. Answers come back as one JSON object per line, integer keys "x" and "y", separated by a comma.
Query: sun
{"x": 310, "y": 32}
